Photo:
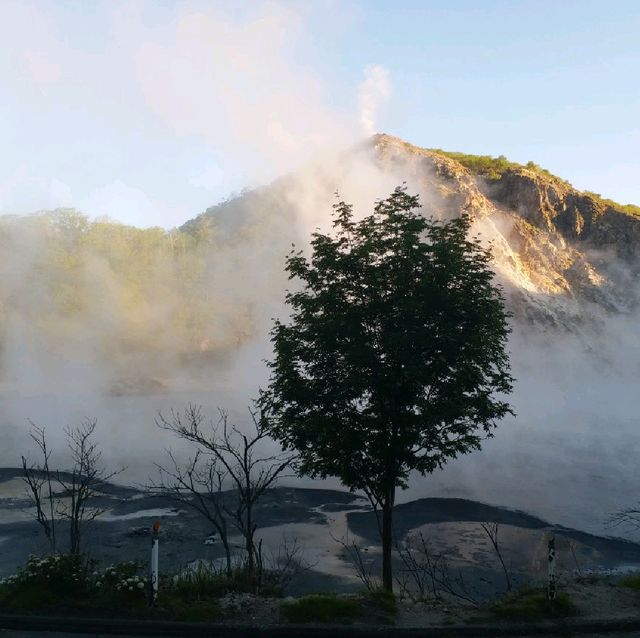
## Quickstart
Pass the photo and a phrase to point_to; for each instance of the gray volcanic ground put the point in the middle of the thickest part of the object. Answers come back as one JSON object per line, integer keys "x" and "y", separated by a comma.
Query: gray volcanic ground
{"x": 318, "y": 521}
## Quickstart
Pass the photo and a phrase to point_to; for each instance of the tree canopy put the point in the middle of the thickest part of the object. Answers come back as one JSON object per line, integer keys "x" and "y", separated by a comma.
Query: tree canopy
{"x": 394, "y": 358}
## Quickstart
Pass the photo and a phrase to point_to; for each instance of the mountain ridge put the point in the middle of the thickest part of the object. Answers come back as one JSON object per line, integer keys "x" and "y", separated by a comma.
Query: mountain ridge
{"x": 151, "y": 301}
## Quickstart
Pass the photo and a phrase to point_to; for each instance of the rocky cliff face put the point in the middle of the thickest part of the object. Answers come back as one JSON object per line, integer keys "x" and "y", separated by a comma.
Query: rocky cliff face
{"x": 564, "y": 257}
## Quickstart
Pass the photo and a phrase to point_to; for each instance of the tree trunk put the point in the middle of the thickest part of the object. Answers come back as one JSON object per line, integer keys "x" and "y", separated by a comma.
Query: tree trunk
{"x": 249, "y": 541}
{"x": 227, "y": 552}
{"x": 387, "y": 539}
{"x": 74, "y": 537}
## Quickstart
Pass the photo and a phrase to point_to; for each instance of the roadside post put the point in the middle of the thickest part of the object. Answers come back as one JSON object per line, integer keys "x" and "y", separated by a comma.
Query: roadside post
{"x": 551, "y": 590}
{"x": 155, "y": 541}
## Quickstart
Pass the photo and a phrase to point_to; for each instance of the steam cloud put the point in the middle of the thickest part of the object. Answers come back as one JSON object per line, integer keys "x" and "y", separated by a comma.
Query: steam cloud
{"x": 235, "y": 84}
{"x": 373, "y": 95}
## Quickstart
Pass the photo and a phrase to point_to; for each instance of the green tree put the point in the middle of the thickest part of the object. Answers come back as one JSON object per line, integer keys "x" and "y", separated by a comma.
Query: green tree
{"x": 394, "y": 358}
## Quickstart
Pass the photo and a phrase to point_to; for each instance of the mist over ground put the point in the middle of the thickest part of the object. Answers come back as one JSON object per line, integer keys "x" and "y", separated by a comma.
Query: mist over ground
{"x": 151, "y": 320}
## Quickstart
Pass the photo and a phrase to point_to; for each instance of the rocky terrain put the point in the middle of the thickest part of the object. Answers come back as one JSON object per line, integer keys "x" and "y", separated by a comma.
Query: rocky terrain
{"x": 323, "y": 524}
{"x": 567, "y": 258}
{"x": 558, "y": 250}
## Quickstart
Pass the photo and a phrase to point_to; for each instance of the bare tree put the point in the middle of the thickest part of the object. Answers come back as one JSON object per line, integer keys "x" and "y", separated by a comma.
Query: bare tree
{"x": 198, "y": 484}
{"x": 364, "y": 568}
{"x": 491, "y": 530}
{"x": 82, "y": 483}
{"x": 428, "y": 572}
{"x": 248, "y": 471}
{"x": 287, "y": 562}
{"x": 38, "y": 478}
{"x": 77, "y": 486}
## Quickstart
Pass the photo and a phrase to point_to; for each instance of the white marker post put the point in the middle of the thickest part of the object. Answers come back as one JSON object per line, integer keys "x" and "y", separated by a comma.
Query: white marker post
{"x": 155, "y": 541}
{"x": 551, "y": 591}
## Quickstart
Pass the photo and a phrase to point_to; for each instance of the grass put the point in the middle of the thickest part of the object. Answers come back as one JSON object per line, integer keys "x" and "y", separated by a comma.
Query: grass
{"x": 327, "y": 608}
{"x": 493, "y": 168}
{"x": 532, "y": 605}
{"x": 204, "y": 582}
{"x": 380, "y": 605}
{"x": 72, "y": 585}
{"x": 178, "y": 608}
{"x": 629, "y": 209}
{"x": 632, "y": 581}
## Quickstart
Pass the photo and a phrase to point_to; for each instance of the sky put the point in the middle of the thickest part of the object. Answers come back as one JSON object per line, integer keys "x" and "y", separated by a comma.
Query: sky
{"x": 150, "y": 112}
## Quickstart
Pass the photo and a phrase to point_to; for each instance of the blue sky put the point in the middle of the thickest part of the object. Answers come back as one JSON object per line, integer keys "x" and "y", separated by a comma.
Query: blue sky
{"x": 151, "y": 111}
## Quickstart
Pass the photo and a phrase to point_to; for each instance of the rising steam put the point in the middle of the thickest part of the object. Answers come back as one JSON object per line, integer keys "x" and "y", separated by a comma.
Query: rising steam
{"x": 373, "y": 95}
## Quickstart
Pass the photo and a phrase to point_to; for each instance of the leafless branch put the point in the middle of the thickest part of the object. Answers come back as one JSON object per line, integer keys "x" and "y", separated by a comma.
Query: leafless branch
{"x": 364, "y": 569}
{"x": 425, "y": 570}
{"x": 492, "y": 530}
{"x": 235, "y": 457}
{"x": 78, "y": 485}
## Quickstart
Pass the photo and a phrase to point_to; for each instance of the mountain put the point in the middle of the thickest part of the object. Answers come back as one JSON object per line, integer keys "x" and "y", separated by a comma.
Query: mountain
{"x": 132, "y": 310}
{"x": 561, "y": 252}
{"x": 564, "y": 256}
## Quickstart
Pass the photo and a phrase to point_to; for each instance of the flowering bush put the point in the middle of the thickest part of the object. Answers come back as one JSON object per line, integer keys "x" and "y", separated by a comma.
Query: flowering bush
{"x": 67, "y": 584}
{"x": 52, "y": 580}
{"x": 71, "y": 580}
{"x": 123, "y": 580}
{"x": 63, "y": 574}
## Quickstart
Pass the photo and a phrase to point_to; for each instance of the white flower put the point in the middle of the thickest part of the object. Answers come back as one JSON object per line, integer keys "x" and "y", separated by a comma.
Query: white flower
{"x": 140, "y": 585}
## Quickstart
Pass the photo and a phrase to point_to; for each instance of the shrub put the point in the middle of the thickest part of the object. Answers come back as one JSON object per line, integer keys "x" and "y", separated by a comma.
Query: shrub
{"x": 383, "y": 600}
{"x": 46, "y": 581}
{"x": 631, "y": 581}
{"x": 72, "y": 582}
{"x": 629, "y": 209}
{"x": 322, "y": 608}
{"x": 179, "y": 608}
{"x": 381, "y": 605}
{"x": 532, "y": 604}
{"x": 205, "y": 581}
{"x": 198, "y": 583}
{"x": 122, "y": 584}
{"x": 492, "y": 168}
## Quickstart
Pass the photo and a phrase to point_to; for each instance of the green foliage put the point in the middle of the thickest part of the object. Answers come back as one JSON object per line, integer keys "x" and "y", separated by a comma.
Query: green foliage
{"x": 631, "y": 581}
{"x": 532, "y": 605}
{"x": 394, "y": 358}
{"x": 204, "y": 582}
{"x": 122, "y": 585}
{"x": 181, "y": 608}
{"x": 71, "y": 584}
{"x": 197, "y": 583}
{"x": 380, "y": 604}
{"x": 629, "y": 209}
{"x": 322, "y": 608}
{"x": 394, "y": 351}
{"x": 492, "y": 168}
{"x": 374, "y": 606}
{"x": 148, "y": 290}
{"x": 47, "y": 581}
